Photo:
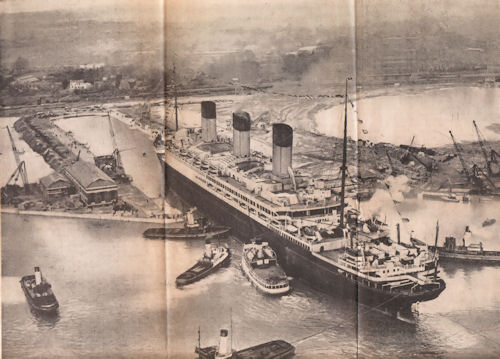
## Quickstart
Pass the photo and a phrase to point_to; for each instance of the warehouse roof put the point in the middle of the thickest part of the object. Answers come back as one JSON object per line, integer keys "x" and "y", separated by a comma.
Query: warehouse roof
{"x": 89, "y": 176}
{"x": 54, "y": 180}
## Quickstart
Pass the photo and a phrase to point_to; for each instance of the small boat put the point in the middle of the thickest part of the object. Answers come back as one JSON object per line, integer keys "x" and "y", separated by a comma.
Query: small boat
{"x": 473, "y": 252}
{"x": 193, "y": 229}
{"x": 213, "y": 258}
{"x": 441, "y": 196}
{"x": 260, "y": 265}
{"x": 39, "y": 293}
{"x": 489, "y": 222}
{"x": 275, "y": 349}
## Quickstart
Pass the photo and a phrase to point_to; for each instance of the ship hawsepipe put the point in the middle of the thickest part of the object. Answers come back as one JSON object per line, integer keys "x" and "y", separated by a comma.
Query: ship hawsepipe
{"x": 296, "y": 260}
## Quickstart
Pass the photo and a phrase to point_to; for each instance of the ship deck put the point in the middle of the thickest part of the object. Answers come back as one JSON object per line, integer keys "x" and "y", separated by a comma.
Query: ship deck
{"x": 271, "y": 274}
{"x": 333, "y": 254}
{"x": 227, "y": 158}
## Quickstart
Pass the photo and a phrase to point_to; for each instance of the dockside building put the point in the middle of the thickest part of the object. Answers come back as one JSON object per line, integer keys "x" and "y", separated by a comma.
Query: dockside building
{"x": 95, "y": 187}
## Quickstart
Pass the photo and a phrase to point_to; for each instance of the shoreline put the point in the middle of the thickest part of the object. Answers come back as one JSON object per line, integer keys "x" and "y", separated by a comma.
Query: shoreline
{"x": 98, "y": 217}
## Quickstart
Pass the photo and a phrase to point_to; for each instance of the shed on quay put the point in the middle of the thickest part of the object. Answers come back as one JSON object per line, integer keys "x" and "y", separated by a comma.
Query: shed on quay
{"x": 95, "y": 187}
{"x": 55, "y": 185}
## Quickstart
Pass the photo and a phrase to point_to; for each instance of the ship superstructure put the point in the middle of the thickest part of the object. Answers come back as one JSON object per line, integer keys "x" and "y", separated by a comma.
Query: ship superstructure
{"x": 305, "y": 219}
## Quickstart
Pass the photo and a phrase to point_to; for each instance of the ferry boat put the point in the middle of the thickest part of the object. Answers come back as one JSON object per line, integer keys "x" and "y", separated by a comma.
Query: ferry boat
{"x": 275, "y": 349}
{"x": 260, "y": 265}
{"x": 193, "y": 229}
{"x": 39, "y": 293}
{"x": 467, "y": 252}
{"x": 213, "y": 258}
{"x": 301, "y": 217}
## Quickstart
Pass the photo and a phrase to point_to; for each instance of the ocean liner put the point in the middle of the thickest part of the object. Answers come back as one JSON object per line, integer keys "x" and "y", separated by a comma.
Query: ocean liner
{"x": 304, "y": 219}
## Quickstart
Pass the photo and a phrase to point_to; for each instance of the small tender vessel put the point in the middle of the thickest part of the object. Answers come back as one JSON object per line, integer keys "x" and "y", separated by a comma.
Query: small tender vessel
{"x": 276, "y": 349}
{"x": 38, "y": 292}
{"x": 472, "y": 252}
{"x": 489, "y": 222}
{"x": 213, "y": 258}
{"x": 441, "y": 196}
{"x": 193, "y": 229}
{"x": 260, "y": 265}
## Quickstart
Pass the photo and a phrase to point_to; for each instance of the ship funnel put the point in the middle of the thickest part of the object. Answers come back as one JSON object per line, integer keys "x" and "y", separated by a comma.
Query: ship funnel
{"x": 208, "y": 121}
{"x": 224, "y": 349}
{"x": 241, "y": 134}
{"x": 208, "y": 249}
{"x": 282, "y": 149}
{"x": 38, "y": 276}
{"x": 190, "y": 218}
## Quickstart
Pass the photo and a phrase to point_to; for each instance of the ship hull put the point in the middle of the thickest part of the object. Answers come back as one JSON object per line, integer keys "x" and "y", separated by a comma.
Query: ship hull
{"x": 486, "y": 257}
{"x": 49, "y": 307}
{"x": 295, "y": 260}
{"x": 178, "y": 234}
{"x": 198, "y": 272}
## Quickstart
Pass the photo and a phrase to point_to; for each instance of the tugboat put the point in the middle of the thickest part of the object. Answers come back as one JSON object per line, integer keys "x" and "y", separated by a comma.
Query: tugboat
{"x": 260, "y": 265}
{"x": 213, "y": 258}
{"x": 276, "y": 349}
{"x": 470, "y": 252}
{"x": 193, "y": 229}
{"x": 38, "y": 292}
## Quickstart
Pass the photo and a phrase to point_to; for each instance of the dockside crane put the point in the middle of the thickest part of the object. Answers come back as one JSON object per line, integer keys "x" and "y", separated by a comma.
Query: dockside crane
{"x": 473, "y": 173}
{"x": 458, "y": 150}
{"x": 21, "y": 165}
{"x": 393, "y": 170}
{"x": 491, "y": 158}
{"x": 406, "y": 158}
{"x": 118, "y": 165}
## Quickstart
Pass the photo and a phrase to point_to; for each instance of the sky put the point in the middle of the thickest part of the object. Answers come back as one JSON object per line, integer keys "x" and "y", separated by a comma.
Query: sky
{"x": 127, "y": 8}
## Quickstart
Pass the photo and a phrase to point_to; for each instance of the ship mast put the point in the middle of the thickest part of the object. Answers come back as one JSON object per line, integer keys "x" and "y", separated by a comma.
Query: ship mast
{"x": 199, "y": 343}
{"x": 175, "y": 104}
{"x": 344, "y": 160}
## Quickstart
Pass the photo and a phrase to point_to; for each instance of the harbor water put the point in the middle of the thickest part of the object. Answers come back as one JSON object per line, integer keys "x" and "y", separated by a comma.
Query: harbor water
{"x": 109, "y": 282}
{"x": 113, "y": 301}
{"x": 462, "y": 321}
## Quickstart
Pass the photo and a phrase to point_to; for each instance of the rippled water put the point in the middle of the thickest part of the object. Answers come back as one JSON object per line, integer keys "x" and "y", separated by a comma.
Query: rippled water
{"x": 113, "y": 300}
{"x": 109, "y": 282}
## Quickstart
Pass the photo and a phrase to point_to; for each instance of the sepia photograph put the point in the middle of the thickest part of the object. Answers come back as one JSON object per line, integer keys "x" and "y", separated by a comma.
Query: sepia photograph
{"x": 250, "y": 179}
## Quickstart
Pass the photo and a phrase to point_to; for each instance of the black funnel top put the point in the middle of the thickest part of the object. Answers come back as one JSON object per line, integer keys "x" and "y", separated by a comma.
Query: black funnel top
{"x": 282, "y": 135}
{"x": 241, "y": 121}
{"x": 208, "y": 109}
